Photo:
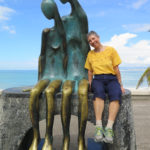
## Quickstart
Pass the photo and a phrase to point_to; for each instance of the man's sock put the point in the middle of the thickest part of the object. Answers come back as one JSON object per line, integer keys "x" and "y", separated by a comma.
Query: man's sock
{"x": 110, "y": 124}
{"x": 98, "y": 123}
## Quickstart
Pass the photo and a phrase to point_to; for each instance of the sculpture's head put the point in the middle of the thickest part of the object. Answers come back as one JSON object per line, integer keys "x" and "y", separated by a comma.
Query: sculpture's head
{"x": 48, "y": 8}
{"x": 64, "y": 1}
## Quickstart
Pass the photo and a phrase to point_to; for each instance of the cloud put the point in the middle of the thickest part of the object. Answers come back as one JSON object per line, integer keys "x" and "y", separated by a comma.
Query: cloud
{"x": 10, "y": 29}
{"x": 139, "y": 3}
{"x": 137, "y": 27}
{"x": 1, "y": 1}
{"x": 5, "y": 13}
{"x": 136, "y": 54}
{"x": 121, "y": 39}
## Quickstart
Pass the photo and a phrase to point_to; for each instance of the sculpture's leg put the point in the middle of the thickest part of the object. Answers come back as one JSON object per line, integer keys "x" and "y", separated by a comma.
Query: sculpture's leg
{"x": 33, "y": 109}
{"x": 66, "y": 112}
{"x": 82, "y": 112}
{"x": 50, "y": 91}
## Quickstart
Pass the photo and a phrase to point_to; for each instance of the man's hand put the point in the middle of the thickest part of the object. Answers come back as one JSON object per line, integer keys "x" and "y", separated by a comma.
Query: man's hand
{"x": 90, "y": 87}
{"x": 90, "y": 78}
{"x": 122, "y": 89}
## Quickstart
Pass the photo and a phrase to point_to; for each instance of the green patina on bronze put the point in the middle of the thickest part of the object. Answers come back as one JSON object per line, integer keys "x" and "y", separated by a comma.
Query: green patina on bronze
{"x": 61, "y": 63}
{"x": 53, "y": 57}
{"x": 64, "y": 47}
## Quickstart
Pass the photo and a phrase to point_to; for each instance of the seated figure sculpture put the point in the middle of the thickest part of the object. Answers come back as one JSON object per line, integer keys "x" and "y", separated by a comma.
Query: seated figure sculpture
{"x": 76, "y": 28}
{"x": 61, "y": 62}
{"x": 52, "y": 55}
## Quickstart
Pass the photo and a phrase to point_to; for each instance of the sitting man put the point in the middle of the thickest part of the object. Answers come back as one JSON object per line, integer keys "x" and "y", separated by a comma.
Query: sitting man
{"x": 102, "y": 64}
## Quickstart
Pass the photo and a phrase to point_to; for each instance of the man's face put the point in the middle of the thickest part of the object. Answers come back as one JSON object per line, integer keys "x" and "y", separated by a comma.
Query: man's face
{"x": 94, "y": 41}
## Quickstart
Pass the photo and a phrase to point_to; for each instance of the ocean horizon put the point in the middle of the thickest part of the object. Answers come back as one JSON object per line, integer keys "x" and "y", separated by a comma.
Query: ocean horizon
{"x": 19, "y": 78}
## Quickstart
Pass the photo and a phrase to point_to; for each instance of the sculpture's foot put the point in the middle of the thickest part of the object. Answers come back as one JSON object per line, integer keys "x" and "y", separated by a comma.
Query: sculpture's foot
{"x": 47, "y": 145}
{"x": 34, "y": 145}
{"x": 81, "y": 144}
{"x": 66, "y": 142}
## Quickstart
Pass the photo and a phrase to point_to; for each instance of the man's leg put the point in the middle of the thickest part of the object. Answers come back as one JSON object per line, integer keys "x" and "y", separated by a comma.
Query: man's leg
{"x": 114, "y": 93}
{"x": 113, "y": 110}
{"x": 98, "y": 88}
{"x": 98, "y": 108}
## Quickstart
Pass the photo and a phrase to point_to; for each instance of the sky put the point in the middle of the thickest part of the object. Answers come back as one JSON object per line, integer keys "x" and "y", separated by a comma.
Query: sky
{"x": 123, "y": 24}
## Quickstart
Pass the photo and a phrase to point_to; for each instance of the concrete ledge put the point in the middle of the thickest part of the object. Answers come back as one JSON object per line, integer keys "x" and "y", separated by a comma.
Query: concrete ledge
{"x": 1, "y": 91}
{"x": 140, "y": 91}
{"x": 13, "y": 128}
{"x": 140, "y": 94}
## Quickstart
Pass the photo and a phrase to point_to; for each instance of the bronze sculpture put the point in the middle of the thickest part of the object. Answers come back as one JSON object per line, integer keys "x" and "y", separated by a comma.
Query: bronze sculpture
{"x": 63, "y": 47}
{"x": 76, "y": 28}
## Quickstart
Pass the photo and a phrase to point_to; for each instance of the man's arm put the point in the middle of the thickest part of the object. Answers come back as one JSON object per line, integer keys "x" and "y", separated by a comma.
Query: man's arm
{"x": 118, "y": 74}
{"x": 90, "y": 77}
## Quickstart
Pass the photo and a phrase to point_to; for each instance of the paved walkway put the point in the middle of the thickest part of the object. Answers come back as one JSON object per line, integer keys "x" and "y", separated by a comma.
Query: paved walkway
{"x": 57, "y": 132}
{"x": 141, "y": 110}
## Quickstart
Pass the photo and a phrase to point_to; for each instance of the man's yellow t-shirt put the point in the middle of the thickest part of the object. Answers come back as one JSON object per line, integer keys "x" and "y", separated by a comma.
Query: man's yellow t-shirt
{"x": 103, "y": 62}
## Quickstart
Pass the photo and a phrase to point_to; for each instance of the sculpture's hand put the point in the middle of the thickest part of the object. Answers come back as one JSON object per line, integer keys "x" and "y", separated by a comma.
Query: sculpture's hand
{"x": 27, "y": 90}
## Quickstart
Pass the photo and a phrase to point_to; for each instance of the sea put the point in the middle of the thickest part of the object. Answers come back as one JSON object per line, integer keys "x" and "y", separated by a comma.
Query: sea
{"x": 19, "y": 78}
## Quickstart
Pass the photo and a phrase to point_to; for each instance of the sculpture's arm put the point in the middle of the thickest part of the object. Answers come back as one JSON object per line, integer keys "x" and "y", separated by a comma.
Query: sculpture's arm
{"x": 65, "y": 60}
{"x": 78, "y": 10}
{"x": 62, "y": 34}
{"x": 42, "y": 54}
{"x": 44, "y": 39}
{"x": 61, "y": 31}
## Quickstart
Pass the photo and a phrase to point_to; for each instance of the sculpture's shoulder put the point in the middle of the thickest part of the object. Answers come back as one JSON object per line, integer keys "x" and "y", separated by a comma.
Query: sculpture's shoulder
{"x": 68, "y": 18}
{"x": 74, "y": 17}
{"x": 45, "y": 31}
{"x": 52, "y": 38}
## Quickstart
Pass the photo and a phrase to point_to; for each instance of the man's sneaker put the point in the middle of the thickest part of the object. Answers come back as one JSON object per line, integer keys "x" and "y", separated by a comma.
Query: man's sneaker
{"x": 98, "y": 134}
{"x": 109, "y": 134}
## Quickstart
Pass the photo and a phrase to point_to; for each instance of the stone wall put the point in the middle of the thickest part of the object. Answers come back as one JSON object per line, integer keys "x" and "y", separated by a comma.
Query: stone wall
{"x": 15, "y": 121}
